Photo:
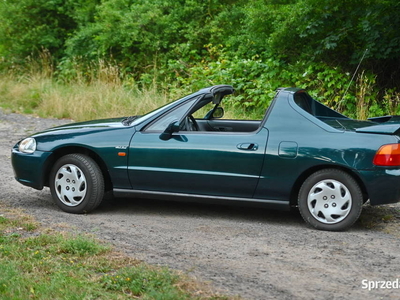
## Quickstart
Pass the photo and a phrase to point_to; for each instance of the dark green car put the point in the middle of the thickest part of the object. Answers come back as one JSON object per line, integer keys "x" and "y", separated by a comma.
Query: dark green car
{"x": 301, "y": 153}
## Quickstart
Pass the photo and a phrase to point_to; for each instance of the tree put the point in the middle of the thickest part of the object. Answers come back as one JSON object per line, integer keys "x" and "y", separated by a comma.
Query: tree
{"x": 29, "y": 26}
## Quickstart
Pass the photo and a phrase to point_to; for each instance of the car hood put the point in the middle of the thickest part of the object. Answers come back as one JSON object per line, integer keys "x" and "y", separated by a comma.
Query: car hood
{"x": 93, "y": 125}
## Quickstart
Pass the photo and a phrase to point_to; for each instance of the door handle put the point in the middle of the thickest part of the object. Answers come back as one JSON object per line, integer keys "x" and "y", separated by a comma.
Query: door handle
{"x": 248, "y": 146}
{"x": 216, "y": 128}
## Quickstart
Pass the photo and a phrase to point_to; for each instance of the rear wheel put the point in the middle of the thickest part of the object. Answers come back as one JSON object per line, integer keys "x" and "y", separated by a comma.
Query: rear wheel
{"x": 76, "y": 183}
{"x": 330, "y": 199}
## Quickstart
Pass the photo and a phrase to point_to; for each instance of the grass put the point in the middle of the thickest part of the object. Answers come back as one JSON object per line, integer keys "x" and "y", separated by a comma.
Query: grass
{"x": 79, "y": 101}
{"x": 94, "y": 94}
{"x": 90, "y": 92}
{"x": 35, "y": 264}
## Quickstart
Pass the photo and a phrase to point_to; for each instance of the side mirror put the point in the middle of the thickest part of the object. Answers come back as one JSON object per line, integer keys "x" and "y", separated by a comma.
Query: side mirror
{"x": 171, "y": 128}
{"x": 216, "y": 113}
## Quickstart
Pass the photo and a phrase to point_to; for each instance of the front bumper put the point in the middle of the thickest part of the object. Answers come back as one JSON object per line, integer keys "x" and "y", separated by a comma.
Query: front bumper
{"x": 29, "y": 169}
{"x": 382, "y": 184}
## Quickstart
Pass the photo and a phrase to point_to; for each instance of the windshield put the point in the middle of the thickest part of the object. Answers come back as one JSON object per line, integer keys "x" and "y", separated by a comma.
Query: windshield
{"x": 157, "y": 110}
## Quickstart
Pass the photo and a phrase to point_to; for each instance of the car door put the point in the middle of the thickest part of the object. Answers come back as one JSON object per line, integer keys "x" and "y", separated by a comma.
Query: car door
{"x": 196, "y": 162}
{"x": 216, "y": 163}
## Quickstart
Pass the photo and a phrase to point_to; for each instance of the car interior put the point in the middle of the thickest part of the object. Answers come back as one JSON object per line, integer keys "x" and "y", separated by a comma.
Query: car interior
{"x": 208, "y": 115}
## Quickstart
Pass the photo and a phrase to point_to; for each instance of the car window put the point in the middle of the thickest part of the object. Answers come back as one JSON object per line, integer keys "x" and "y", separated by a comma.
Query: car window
{"x": 175, "y": 115}
{"x": 202, "y": 112}
{"x": 303, "y": 101}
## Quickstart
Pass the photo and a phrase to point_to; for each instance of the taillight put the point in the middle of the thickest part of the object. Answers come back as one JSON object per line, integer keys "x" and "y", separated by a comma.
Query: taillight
{"x": 388, "y": 155}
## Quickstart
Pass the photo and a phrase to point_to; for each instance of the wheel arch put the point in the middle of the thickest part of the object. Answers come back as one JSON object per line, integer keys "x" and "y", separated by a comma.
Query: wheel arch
{"x": 297, "y": 185}
{"x": 57, "y": 154}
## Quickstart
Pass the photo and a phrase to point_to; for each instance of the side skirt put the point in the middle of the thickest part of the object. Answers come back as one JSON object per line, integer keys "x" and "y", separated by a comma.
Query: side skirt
{"x": 251, "y": 202}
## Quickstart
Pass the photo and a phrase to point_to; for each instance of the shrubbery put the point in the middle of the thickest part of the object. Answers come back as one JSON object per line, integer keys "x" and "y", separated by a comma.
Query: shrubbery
{"x": 256, "y": 46}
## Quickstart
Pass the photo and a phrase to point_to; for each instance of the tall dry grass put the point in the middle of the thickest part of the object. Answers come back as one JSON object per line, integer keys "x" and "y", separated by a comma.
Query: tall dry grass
{"x": 99, "y": 93}
{"x": 98, "y": 100}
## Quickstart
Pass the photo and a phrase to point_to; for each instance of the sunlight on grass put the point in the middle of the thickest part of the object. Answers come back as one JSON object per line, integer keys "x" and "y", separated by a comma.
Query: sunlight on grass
{"x": 54, "y": 265}
{"x": 76, "y": 100}
{"x": 99, "y": 94}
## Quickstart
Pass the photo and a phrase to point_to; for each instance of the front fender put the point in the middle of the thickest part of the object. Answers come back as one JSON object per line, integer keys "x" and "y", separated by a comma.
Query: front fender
{"x": 28, "y": 168}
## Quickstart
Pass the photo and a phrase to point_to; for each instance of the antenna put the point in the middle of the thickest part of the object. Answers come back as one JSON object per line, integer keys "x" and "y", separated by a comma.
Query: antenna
{"x": 355, "y": 72}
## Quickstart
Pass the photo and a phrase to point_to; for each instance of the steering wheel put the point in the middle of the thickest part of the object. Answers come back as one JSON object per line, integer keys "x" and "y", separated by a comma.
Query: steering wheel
{"x": 191, "y": 124}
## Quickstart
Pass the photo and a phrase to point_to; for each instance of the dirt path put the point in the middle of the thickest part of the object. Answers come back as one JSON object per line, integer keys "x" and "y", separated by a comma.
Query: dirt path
{"x": 258, "y": 254}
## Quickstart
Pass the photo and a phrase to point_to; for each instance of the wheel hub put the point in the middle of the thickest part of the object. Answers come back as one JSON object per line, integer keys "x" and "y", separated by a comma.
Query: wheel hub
{"x": 70, "y": 185}
{"x": 329, "y": 201}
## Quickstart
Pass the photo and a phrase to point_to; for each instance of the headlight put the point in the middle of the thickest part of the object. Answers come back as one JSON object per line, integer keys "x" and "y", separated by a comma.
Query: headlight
{"x": 27, "y": 145}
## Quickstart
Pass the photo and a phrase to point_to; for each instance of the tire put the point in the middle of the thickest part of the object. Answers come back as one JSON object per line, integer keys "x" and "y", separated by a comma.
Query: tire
{"x": 330, "y": 200}
{"x": 76, "y": 184}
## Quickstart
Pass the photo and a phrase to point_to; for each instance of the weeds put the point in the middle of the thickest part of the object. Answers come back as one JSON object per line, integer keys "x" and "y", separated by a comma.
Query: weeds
{"x": 80, "y": 101}
{"x": 102, "y": 97}
{"x": 84, "y": 91}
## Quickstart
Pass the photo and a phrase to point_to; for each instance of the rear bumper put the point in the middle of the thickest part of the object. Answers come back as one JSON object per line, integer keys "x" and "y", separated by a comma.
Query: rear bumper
{"x": 29, "y": 168}
{"x": 382, "y": 185}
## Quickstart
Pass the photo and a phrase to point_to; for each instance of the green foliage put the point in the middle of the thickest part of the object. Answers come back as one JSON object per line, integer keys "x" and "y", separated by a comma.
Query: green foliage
{"x": 145, "y": 282}
{"x": 28, "y": 26}
{"x": 340, "y": 29}
{"x": 81, "y": 246}
{"x": 256, "y": 81}
{"x": 141, "y": 34}
{"x": 253, "y": 78}
{"x": 254, "y": 45}
{"x": 339, "y": 32}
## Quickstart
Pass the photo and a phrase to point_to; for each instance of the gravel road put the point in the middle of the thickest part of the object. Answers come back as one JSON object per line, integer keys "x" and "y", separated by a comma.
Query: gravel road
{"x": 254, "y": 253}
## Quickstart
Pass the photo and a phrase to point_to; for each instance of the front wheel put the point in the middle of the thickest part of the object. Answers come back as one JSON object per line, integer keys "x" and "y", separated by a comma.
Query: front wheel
{"x": 76, "y": 183}
{"x": 330, "y": 199}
